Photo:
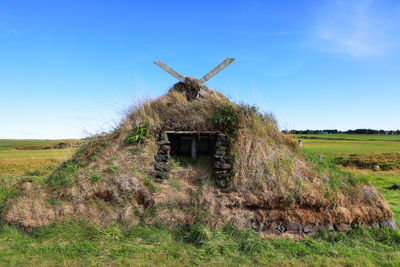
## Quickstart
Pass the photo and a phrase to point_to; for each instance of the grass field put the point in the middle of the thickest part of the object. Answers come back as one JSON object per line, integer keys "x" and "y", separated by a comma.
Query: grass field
{"x": 20, "y": 156}
{"x": 82, "y": 244}
{"x": 331, "y": 147}
{"x": 360, "y": 137}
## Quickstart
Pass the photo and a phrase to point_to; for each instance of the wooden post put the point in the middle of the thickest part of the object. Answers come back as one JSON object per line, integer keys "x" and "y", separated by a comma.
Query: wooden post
{"x": 194, "y": 149}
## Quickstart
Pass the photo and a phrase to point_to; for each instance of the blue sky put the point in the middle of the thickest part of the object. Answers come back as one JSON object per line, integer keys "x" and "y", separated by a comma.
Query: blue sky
{"x": 69, "y": 69}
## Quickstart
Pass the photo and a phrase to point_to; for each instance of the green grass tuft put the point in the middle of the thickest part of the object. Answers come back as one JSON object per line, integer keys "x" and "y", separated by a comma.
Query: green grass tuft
{"x": 149, "y": 182}
{"x": 64, "y": 175}
{"x": 94, "y": 178}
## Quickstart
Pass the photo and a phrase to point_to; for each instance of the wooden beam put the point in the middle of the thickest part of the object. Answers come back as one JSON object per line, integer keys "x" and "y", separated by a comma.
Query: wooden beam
{"x": 170, "y": 71}
{"x": 217, "y": 69}
{"x": 189, "y": 132}
{"x": 194, "y": 148}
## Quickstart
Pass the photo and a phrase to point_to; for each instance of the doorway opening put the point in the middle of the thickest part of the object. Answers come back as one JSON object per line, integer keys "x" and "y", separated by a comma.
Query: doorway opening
{"x": 191, "y": 144}
{"x": 191, "y": 147}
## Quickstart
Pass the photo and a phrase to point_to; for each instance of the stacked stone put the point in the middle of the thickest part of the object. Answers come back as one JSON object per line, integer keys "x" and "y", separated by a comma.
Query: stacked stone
{"x": 162, "y": 157}
{"x": 303, "y": 230}
{"x": 222, "y": 166}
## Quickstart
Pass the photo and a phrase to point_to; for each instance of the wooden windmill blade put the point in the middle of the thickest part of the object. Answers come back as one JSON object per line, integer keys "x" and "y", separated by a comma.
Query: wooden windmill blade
{"x": 170, "y": 71}
{"x": 217, "y": 69}
{"x": 206, "y": 77}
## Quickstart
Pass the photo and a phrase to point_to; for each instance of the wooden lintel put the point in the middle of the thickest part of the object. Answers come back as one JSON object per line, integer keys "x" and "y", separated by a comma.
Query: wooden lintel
{"x": 190, "y": 132}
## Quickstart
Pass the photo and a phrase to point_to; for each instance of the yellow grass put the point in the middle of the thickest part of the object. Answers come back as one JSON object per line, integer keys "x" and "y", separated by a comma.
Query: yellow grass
{"x": 21, "y": 161}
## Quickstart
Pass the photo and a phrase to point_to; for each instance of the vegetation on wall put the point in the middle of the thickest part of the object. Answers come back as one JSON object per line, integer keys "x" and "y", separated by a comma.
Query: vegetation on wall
{"x": 64, "y": 175}
{"x": 226, "y": 119}
{"x": 139, "y": 134}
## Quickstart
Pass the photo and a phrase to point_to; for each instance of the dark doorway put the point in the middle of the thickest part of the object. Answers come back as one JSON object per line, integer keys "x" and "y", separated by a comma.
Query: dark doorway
{"x": 185, "y": 144}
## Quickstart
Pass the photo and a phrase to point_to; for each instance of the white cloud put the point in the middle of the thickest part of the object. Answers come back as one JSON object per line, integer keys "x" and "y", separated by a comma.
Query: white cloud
{"x": 359, "y": 28}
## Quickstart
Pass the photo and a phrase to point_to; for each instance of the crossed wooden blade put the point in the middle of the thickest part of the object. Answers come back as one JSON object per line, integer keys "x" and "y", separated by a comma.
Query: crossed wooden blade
{"x": 205, "y": 78}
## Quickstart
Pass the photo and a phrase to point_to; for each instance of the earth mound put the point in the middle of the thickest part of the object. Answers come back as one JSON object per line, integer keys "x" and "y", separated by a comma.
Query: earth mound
{"x": 192, "y": 155}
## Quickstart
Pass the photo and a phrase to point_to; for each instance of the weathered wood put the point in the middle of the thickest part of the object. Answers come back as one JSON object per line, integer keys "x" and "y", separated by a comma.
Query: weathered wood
{"x": 189, "y": 132}
{"x": 203, "y": 93}
{"x": 170, "y": 71}
{"x": 194, "y": 148}
{"x": 217, "y": 69}
{"x": 205, "y": 78}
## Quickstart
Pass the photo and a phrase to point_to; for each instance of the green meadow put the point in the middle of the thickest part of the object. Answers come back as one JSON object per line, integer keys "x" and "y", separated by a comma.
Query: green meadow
{"x": 81, "y": 244}
{"x": 41, "y": 156}
{"x": 359, "y": 137}
{"x": 334, "y": 148}
{"x": 334, "y": 145}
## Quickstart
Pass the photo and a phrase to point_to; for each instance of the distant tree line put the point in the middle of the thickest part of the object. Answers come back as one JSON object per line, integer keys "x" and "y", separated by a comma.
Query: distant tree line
{"x": 334, "y": 131}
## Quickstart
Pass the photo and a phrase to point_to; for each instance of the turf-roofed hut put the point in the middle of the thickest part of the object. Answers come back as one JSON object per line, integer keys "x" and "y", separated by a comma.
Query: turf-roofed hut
{"x": 193, "y": 156}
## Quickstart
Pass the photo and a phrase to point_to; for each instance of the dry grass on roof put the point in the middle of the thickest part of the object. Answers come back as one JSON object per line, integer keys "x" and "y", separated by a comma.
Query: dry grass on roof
{"x": 173, "y": 111}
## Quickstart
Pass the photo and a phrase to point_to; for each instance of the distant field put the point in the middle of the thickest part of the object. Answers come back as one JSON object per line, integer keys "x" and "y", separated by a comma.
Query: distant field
{"x": 377, "y": 137}
{"x": 20, "y": 156}
{"x": 335, "y": 145}
{"x": 346, "y": 147}
{"x": 14, "y": 142}
{"x": 35, "y": 154}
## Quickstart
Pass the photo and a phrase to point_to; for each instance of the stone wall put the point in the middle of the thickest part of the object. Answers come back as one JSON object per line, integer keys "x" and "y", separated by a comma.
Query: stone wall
{"x": 309, "y": 230}
{"x": 162, "y": 157}
{"x": 222, "y": 164}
